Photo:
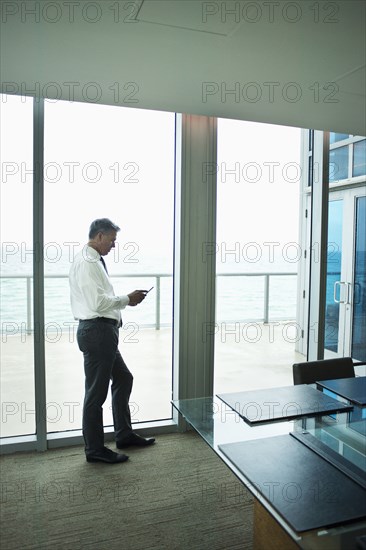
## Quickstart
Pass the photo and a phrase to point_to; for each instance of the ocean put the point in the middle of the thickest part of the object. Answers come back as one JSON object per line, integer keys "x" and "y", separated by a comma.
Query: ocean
{"x": 238, "y": 298}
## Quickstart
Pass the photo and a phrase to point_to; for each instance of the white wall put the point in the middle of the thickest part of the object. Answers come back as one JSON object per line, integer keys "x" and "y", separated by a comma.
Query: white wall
{"x": 186, "y": 56}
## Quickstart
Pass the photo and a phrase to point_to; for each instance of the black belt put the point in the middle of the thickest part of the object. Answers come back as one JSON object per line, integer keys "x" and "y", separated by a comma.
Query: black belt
{"x": 103, "y": 320}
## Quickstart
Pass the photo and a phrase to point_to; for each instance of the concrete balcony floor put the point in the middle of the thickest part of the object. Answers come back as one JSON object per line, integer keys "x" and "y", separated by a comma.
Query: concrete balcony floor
{"x": 247, "y": 356}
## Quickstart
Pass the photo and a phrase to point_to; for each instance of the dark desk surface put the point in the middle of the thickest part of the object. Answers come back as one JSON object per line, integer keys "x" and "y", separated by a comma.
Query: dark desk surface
{"x": 306, "y": 490}
{"x": 353, "y": 389}
{"x": 286, "y": 402}
{"x": 341, "y": 433}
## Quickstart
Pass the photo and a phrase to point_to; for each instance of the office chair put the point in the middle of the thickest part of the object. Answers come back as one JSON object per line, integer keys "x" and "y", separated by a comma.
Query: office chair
{"x": 325, "y": 369}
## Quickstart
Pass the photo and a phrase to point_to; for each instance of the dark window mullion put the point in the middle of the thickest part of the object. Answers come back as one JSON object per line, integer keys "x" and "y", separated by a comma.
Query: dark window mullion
{"x": 38, "y": 274}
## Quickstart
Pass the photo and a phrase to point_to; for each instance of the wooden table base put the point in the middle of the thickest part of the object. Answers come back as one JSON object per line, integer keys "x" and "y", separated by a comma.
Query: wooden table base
{"x": 268, "y": 534}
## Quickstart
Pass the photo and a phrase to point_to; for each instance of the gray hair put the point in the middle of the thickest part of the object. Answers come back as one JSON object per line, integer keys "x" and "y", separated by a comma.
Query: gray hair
{"x": 103, "y": 225}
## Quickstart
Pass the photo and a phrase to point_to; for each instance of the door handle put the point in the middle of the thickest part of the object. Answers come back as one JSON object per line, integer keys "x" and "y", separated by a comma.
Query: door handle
{"x": 336, "y": 285}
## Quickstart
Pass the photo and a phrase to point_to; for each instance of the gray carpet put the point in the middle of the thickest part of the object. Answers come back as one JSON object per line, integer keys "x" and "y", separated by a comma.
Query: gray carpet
{"x": 176, "y": 494}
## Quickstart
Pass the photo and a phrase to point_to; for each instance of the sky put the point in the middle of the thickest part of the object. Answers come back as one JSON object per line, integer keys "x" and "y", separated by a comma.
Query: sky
{"x": 103, "y": 161}
{"x": 259, "y": 200}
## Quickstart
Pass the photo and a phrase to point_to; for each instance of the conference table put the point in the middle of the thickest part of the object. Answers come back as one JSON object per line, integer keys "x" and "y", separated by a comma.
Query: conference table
{"x": 301, "y": 452}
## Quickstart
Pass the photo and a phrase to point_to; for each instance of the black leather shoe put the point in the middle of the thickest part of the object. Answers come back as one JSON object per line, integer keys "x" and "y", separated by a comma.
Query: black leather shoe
{"x": 106, "y": 455}
{"x": 135, "y": 440}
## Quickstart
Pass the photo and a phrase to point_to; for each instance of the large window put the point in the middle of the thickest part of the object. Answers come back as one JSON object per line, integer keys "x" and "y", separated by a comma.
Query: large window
{"x": 258, "y": 252}
{"x": 99, "y": 161}
{"x": 17, "y": 365}
{"x": 103, "y": 161}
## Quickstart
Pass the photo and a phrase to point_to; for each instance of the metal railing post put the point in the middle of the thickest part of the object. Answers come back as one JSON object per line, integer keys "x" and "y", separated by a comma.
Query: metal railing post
{"x": 157, "y": 304}
{"x": 266, "y": 298}
{"x": 29, "y": 306}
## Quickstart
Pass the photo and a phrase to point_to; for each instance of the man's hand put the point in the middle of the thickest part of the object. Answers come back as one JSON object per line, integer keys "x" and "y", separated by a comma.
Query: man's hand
{"x": 136, "y": 297}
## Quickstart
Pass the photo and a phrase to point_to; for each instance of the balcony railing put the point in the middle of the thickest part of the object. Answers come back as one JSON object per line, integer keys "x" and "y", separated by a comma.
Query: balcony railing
{"x": 157, "y": 287}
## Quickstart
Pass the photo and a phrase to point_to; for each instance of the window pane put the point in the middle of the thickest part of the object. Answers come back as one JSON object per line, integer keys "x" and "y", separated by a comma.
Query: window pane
{"x": 334, "y": 137}
{"x": 103, "y": 161}
{"x": 359, "y": 296}
{"x": 338, "y": 164}
{"x": 334, "y": 262}
{"x": 257, "y": 254}
{"x": 359, "y": 158}
{"x": 17, "y": 364}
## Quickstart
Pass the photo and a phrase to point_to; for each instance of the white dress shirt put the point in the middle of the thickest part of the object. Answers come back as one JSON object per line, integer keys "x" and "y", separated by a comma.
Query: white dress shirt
{"x": 91, "y": 291}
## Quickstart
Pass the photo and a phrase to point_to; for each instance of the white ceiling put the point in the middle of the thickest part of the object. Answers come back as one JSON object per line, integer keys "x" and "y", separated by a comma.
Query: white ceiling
{"x": 296, "y": 63}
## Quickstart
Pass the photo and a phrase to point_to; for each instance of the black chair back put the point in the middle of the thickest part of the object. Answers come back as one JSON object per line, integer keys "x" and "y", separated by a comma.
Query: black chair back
{"x": 326, "y": 369}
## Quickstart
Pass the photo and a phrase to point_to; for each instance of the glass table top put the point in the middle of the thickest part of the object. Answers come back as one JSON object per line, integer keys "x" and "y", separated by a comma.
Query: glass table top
{"x": 343, "y": 432}
{"x": 217, "y": 423}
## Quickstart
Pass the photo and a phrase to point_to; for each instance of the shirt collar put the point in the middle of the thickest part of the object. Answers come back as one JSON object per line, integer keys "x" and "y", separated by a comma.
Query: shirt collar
{"x": 91, "y": 254}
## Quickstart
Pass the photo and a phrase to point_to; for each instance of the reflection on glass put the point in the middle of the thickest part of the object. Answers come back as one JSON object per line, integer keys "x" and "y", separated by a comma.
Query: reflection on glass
{"x": 359, "y": 158}
{"x": 334, "y": 261}
{"x": 334, "y": 137}
{"x": 359, "y": 294}
{"x": 17, "y": 363}
{"x": 338, "y": 164}
{"x": 114, "y": 162}
{"x": 343, "y": 434}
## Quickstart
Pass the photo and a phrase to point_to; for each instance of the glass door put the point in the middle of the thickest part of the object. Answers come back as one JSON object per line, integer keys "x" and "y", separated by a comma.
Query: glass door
{"x": 358, "y": 342}
{"x": 346, "y": 275}
{"x": 335, "y": 292}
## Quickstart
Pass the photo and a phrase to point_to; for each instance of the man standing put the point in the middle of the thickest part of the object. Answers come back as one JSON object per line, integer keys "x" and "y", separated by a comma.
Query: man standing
{"x": 98, "y": 310}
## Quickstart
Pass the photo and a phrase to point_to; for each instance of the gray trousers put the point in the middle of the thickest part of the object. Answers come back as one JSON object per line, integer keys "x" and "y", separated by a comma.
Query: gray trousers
{"x": 103, "y": 363}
